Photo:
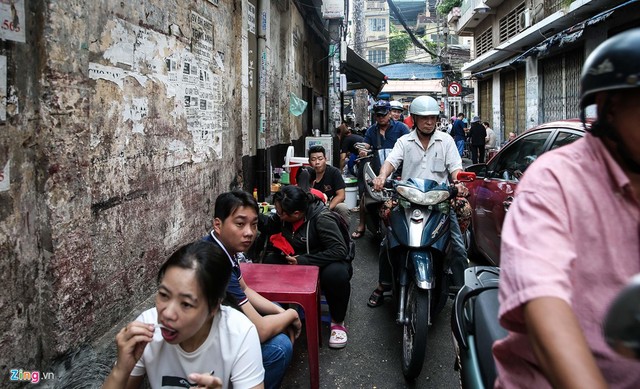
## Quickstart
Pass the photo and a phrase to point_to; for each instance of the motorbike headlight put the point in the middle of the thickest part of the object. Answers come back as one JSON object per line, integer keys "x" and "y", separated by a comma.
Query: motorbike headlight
{"x": 416, "y": 196}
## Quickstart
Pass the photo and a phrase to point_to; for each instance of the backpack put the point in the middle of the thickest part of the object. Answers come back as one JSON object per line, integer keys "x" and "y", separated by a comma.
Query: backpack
{"x": 346, "y": 236}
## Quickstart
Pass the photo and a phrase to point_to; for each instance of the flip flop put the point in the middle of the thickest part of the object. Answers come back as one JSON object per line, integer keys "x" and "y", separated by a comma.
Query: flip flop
{"x": 357, "y": 234}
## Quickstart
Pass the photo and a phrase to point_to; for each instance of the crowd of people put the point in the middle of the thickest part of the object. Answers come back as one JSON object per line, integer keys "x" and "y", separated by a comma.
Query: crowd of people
{"x": 210, "y": 329}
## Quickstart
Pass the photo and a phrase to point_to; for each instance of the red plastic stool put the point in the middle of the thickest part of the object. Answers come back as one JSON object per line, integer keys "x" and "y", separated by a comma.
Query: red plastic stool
{"x": 292, "y": 284}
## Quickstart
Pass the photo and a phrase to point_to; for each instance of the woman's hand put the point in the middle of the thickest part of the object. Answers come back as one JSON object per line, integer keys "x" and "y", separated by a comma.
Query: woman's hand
{"x": 205, "y": 380}
{"x": 131, "y": 341}
{"x": 291, "y": 260}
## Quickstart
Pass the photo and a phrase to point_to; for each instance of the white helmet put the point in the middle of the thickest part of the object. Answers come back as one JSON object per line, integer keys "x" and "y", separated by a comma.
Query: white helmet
{"x": 395, "y": 104}
{"x": 424, "y": 106}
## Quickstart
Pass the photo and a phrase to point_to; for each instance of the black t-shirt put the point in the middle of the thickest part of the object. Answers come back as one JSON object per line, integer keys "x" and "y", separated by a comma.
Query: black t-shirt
{"x": 348, "y": 143}
{"x": 330, "y": 183}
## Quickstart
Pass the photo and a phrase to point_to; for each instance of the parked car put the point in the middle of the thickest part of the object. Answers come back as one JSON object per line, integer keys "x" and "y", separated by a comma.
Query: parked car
{"x": 492, "y": 191}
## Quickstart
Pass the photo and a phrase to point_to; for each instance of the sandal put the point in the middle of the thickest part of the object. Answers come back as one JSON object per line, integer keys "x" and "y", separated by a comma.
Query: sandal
{"x": 357, "y": 234}
{"x": 377, "y": 298}
{"x": 338, "y": 337}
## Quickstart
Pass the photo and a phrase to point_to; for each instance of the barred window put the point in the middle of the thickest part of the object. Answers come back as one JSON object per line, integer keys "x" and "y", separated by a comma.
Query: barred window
{"x": 510, "y": 23}
{"x": 484, "y": 42}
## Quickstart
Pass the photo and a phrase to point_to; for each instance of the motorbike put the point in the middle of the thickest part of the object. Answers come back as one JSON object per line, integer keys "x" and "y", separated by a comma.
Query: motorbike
{"x": 415, "y": 244}
{"x": 475, "y": 327}
{"x": 622, "y": 321}
{"x": 374, "y": 203}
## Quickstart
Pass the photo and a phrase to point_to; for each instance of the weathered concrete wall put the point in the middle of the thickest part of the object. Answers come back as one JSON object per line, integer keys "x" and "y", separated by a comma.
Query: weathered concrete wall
{"x": 123, "y": 130}
{"x": 124, "y": 121}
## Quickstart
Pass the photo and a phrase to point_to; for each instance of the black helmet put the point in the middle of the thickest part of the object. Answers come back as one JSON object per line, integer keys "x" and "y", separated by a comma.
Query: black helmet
{"x": 381, "y": 106}
{"x": 614, "y": 64}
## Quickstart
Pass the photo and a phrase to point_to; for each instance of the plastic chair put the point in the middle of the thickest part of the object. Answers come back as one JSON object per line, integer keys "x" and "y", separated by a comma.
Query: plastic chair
{"x": 292, "y": 284}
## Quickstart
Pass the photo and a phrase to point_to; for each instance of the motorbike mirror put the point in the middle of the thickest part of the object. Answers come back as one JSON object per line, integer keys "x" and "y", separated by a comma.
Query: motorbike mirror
{"x": 466, "y": 176}
{"x": 622, "y": 322}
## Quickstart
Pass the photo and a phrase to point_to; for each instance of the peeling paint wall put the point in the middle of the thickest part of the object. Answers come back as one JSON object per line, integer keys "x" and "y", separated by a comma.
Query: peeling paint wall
{"x": 294, "y": 52}
{"x": 123, "y": 131}
{"x": 122, "y": 123}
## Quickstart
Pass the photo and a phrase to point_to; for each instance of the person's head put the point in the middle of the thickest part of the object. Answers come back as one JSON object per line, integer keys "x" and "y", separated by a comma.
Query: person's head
{"x": 381, "y": 112}
{"x": 191, "y": 285}
{"x": 485, "y": 124}
{"x": 476, "y": 119}
{"x": 425, "y": 112}
{"x": 343, "y": 130}
{"x": 453, "y": 119}
{"x": 291, "y": 203}
{"x": 318, "y": 159}
{"x": 396, "y": 109}
{"x": 236, "y": 220}
{"x": 512, "y": 136}
{"x": 611, "y": 80}
{"x": 460, "y": 116}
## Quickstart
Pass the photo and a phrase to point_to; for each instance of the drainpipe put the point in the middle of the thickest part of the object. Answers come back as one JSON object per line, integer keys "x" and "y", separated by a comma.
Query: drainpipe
{"x": 262, "y": 162}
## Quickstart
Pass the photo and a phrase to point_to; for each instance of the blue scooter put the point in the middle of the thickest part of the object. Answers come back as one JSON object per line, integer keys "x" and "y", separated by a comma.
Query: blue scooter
{"x": 415, "y": 244}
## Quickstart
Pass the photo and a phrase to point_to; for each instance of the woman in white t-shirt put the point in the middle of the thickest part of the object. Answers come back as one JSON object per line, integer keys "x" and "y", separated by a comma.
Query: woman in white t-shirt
{"x": 190, "y": 338}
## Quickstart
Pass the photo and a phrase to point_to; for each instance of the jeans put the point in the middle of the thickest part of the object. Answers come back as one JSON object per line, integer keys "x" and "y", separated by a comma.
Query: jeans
{"x": 460, "y": 145}
{"x": 456, "y": 257}
{"x": 276, "y": 356}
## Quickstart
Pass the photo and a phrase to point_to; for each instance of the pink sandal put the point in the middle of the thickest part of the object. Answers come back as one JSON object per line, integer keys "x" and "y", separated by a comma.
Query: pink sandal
{"x": 338, "y": 337}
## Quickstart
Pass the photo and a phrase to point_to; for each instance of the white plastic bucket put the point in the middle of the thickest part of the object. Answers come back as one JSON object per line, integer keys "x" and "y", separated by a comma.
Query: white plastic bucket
{"x": 351, "y": 196}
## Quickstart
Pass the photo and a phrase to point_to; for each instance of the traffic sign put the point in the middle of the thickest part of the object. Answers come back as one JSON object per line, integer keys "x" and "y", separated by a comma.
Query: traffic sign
{"x": 454, "y": 89}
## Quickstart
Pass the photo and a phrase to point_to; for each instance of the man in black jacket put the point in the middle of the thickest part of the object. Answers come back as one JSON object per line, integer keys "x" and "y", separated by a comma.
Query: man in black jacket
{"x": 477, "y": 132}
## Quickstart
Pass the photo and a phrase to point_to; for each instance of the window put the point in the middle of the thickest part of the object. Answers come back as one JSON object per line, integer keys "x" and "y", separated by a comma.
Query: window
{"x": 510, "y": 23}
{"x": 564, "y": 138}
{"x": 517, "y": 157}
{"x": 377, "y": 25}
{"x": 484, "y": 42}
{"x": 377, "y": 56}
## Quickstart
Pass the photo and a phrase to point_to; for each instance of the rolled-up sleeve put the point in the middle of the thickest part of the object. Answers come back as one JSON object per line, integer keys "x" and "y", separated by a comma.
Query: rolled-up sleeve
{"x": 537, "y": 250}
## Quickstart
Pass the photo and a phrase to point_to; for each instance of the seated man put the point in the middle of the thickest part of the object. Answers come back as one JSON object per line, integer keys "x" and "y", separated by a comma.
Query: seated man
{"x": 234, "y": 228}
{"x": 328, "y": 180}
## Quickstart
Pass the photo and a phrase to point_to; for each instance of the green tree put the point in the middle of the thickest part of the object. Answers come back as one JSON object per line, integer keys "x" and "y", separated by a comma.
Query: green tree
{"x": 447, "y": 5}
{"x": 399, "y": 42}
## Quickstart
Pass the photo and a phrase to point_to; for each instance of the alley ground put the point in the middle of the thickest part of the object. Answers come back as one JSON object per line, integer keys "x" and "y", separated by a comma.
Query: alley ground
{"x": 372, "y": 357}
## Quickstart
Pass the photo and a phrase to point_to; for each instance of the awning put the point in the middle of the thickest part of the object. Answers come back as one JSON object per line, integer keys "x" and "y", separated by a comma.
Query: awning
{"x": 361, "y": 74}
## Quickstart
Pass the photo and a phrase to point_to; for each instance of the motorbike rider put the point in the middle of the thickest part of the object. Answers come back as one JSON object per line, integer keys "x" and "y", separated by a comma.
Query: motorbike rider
{"x": 396, "y": 110}
{"x": 427, "y": 154}
{"x": 381, "y": 137}
{"x": 570, "y": 240}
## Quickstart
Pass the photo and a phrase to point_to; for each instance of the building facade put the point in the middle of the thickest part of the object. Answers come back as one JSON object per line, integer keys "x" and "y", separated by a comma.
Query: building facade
{"x": 529, "y": 54}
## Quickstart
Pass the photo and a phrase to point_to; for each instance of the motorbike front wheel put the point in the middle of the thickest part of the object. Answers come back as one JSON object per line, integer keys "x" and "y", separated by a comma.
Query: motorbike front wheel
{"x": 414, "y": 339}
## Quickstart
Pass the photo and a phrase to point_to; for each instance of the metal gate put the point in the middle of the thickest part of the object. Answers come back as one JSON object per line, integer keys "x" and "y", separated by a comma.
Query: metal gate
{"x": 513, "y": 101}
{"x": 485, "y": 102}
{"x": 561, "y": 85}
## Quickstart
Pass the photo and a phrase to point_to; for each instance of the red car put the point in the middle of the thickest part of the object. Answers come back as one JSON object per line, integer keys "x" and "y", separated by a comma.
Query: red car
{"x": 491, "y": 193}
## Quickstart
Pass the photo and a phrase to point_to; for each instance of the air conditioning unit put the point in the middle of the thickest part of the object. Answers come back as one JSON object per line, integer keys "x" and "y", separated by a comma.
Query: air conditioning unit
{"x": 524, "y": 20}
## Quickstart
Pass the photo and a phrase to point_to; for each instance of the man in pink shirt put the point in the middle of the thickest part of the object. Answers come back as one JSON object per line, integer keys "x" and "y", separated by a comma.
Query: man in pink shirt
{"x": 571, "y": 240}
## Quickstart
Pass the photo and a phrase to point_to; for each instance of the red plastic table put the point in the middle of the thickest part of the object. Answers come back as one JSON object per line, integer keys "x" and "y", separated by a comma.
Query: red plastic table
{"x": 295, "y": 284}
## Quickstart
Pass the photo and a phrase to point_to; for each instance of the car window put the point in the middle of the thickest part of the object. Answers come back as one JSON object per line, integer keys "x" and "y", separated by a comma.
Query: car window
{"x": 564, "y": 138}
{"x": 514, "y": 160}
